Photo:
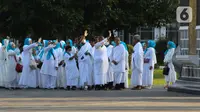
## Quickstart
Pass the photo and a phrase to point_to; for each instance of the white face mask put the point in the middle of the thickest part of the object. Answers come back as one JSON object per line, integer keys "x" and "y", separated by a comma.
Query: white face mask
{"x": 107, "y": 43}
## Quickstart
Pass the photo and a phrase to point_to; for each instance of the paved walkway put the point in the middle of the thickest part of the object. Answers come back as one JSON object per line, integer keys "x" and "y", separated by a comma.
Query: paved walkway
{"x": 155, "y": 100}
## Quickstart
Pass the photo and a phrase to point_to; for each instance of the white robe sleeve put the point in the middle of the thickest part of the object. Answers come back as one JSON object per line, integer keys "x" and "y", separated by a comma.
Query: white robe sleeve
{"x": 11, "y": 53}
{"x": 66, "y": 57}
{"x": 169, "y": 55}
{"x": 138, "y": 61}
{"x": 121, "y": 55}
{"x": 56, "y": 58}
{"x": 126, "y": 60}
{"x": 30, "y": 47}
{"x": 151, "y": 57}
{"x": 99, "y": 44}
{"x": 46, "y": 49}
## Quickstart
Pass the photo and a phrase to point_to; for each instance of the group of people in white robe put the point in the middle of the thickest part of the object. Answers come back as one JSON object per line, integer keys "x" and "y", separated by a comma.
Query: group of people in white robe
{"x": 143, "y": 64}
{"x": 98, "y": 64}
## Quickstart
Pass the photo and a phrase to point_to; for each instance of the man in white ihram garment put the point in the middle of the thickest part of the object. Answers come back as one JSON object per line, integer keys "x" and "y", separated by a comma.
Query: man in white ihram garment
{"x": 110, "y": 77}
{"x": 118, "y": 59}
{"x": 137, "y": 64}
{"x": 84, "y": 60}
{"x": 100, "y": 63}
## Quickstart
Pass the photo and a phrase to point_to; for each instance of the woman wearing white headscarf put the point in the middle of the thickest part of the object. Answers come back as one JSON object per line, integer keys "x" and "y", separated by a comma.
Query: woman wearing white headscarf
{"x": 28, "y": 77}
{"x": 12, "y": 75}
{"x": 3, "y": 61}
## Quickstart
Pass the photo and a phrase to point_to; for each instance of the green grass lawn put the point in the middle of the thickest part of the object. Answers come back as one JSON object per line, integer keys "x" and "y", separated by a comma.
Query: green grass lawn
{"x": 158, "y": 77}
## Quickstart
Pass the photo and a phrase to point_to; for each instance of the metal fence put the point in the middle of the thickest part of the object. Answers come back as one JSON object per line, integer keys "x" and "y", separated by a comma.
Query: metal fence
{"x": 190, "y": 72}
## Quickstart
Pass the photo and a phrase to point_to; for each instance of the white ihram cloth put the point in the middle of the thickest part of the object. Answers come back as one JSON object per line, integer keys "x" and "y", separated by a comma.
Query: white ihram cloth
{"x": 72, "y": 73}
{"x": 137, "y": 65}
{"x": 110, "y": 74}
{"x": 84, "y": 62}
{"x": 118, "y": 55}
{"x": 100, "y": 63}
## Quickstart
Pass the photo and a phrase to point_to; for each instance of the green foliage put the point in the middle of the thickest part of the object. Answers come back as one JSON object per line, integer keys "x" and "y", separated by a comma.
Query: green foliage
{"x": 161, "y": 47}
{"x": 68, "y": 17}
{"x": 130, "y": 48}
{"x": 130, "y": 51}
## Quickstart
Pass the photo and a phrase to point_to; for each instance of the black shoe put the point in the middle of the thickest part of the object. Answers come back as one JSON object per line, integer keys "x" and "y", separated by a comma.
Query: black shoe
{"x": 90, "y": 88}
{"x": 97, "y": 87}
{"x": 117, "y": 87}
{"x": 73, "y": 87}
{"x": 62, "y": 88}
{"x": 68, "y": 88}
{"x": 102, "y": 87}
{"x": 110, "y": 85}
{"x": 93, "y": 86}
{"x": 81, "y": 88}
{"x": 137, "y": 88}
{"x": 122, "y": 86}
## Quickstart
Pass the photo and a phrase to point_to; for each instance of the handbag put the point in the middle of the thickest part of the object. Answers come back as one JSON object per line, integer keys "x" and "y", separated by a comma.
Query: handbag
{"x": 40, "y": 65}
{"x": 166, "y": 70}
{"x": 18, "y": 67}
{"x": 33, "y": 64}
{"x": 146, "y": 60}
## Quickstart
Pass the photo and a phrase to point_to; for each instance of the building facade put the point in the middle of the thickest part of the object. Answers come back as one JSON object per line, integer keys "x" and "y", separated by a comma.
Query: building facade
{"x": 152, "y": 33}
{"x": 183, "y": 31}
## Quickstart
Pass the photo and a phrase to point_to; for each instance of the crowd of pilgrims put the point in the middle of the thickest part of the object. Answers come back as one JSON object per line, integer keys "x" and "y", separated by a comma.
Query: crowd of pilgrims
{"x": 98, "y": 64}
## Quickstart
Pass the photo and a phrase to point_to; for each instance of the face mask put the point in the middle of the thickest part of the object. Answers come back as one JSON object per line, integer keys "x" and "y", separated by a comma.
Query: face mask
{"x": 107, "y": 43}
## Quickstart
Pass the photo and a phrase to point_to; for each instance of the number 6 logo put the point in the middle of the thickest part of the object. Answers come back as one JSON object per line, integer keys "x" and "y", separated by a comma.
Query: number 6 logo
{"x": 184, "y": 14}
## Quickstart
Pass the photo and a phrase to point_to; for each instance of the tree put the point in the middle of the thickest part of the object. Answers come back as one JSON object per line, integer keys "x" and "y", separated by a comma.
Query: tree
{"x": 69, "y": 17}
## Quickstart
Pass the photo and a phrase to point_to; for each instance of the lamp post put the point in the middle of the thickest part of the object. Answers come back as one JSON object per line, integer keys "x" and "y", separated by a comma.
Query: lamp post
{"x": 192, "y": 28}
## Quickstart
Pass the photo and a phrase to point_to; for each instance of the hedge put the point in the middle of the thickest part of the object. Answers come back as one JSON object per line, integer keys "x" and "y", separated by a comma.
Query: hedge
{"x": 130, "y": 51}
{"x": 161, "y": 47}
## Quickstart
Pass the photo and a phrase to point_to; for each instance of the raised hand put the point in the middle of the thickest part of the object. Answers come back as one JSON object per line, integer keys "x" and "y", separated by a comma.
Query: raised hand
{"x": 8, "y": 37}
{"x": 40, "y": 40}
{"x": 110, "y": 34}
{"x": 85, "y": 33}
